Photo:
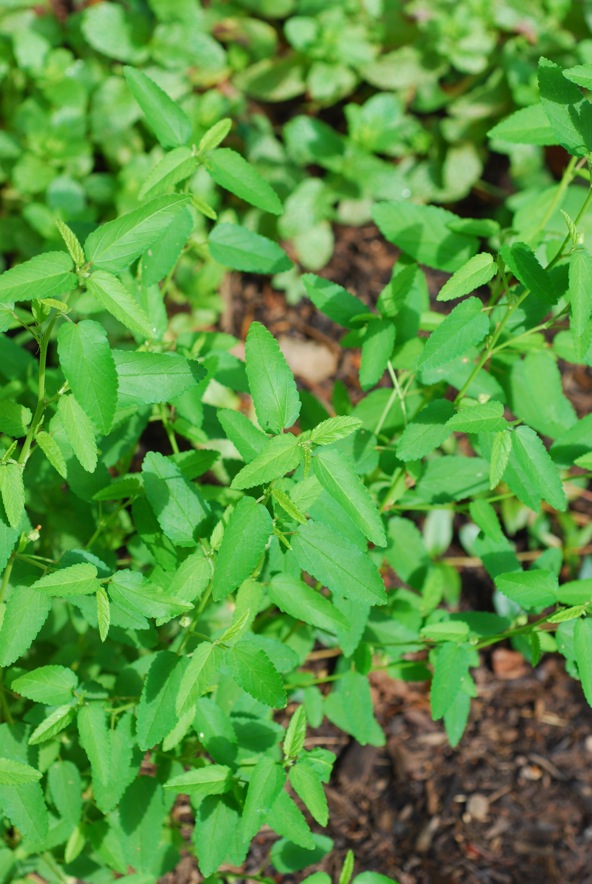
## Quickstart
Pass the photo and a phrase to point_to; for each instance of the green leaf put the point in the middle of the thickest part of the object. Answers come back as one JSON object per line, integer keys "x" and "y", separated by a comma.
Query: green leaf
{"x": 241, "y": 249}
{"x": 26, "y": 809}
{"x": 580, "y": 74}
{"x": 427, "y": 430}
{"x": 287, "y": 820}
{"x": 333, "y": 300}
{"x": 156, "y": 712}
{"x": 199, "y": 676}
{"x": 424, "y": 233}
{"x": 501, "y": 448}
{"x": 281, "y": 455}
{"x": 12, "y": 490}
{"x": 213, "y": 779}
{"x": 575, "y": 592}
{"x": 271, "y": 382}
{"x": 531, "y": 474}
{"x": 288, "y": 857}
{"x": 139, "y": 826}
{"x": 175, "y": 166}
{"x": 155, "y": 377}
{"x": 244, "y": 435}
{"x": 14, "y": 418}
{"x": 253, "y": 671}
{"x": 529, "y": 125}
{"x": 456, "y": 718}
{"x": 530, "y": 589}
{"x": 285, "y": 502}
{"x": 26, "y": 612}
{"x": 337, "y": 563}
{"x": 78, "y": 579}
{"x": 568, "y": 112}
{"x": 451, "y": 668}
{"x": 215, "y": 134}
{"x": 309, "y": 788}
{"x": 476, "y": 272}
{"x": 536, "y": 394}
{"x": 121, "y": 488}
{"x": 65, "y": 789}
{"x": 44, "y": 276}
{"x": 216, "y": 824}
{"x": 526, "y": 268}
{"x": 377, "y": 349}
{"x": 163, "y": 254}
{"x": 71, "y": 242}
{"x": 233, "y": 173}
{"x": 79, "y": 431}
{"x": 295, "y": 734}
{"x": 462, "y": 329}
{"x": 177, "y": 503}
{"x": 452, "y": 477}
{"x": 116, "y": 299}
{"x": 349, "y": 706}
{"x": 138, "y": 596}
{"x": 170, "y": 124}
{"x": 87, "y": 362}
{"x": 110, "y": 754}
{"x": 580, "y": 299}
{"x": 583, "y": 653}
{"x": 52, "y": 685}
{"x": 103, "y": 613}
{"x": 114, "y": 245}
{"x": 300, "y": 601}
{"x": 114, "y": 31}
{"x": 338, "y": 476}
{"x": 57, "y": 721}
{"x": 347, "y": 869}
{"x": 52, "y": 451}
{"x": 245, "y": 538}
{"x": 478, "y": 417}
{"x": 191, "y": 579}
{"x": 15, "y": 773}
{"x": 334, "y": 429}
{"x": 267, "y": 781}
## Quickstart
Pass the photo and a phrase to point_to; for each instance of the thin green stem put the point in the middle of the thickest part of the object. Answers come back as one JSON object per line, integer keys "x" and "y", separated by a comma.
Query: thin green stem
{"x": 578, "y": 218}
{"x": 566, "y": 180}
{"x": 164, "y": 417}
{"x": 510, "y": 633}
{"x": 41, "y": 403}
{"x": 104, "y": 523}
{"x": 491, "y": 346}
{"x": 6, "y": 575}
{"x": 195, "y": 619}
{"x": 397, "y": 386}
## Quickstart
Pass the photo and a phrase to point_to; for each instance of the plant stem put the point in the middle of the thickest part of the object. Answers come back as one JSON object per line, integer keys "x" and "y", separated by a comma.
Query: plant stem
{"x": 40, "y": 408}
{"x": 397, "y": 386}
{"x": 6, "y": 575}
{"x": 164, "y": 417}
{"x": 566, "y": 180}
{"x": 491, "y": 346}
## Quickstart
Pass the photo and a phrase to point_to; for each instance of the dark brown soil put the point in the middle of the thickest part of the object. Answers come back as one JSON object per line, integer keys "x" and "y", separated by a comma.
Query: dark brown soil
{"x": 513, "y": 802}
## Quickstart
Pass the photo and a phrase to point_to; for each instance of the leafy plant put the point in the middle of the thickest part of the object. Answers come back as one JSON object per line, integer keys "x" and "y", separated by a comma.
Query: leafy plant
{"x": 170, "y": 562}
{"x": 389, "y": 99}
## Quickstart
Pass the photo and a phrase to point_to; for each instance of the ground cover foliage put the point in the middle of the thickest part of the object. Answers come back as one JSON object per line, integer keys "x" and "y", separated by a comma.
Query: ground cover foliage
{"x": 172, "y": 555}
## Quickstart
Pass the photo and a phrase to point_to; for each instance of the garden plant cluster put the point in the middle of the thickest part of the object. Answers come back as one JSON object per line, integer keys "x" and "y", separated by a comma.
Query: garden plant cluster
{"x": 180, "y": 529}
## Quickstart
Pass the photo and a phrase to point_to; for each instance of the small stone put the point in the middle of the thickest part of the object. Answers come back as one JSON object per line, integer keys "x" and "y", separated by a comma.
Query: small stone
{"x": 478, "y": 807}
